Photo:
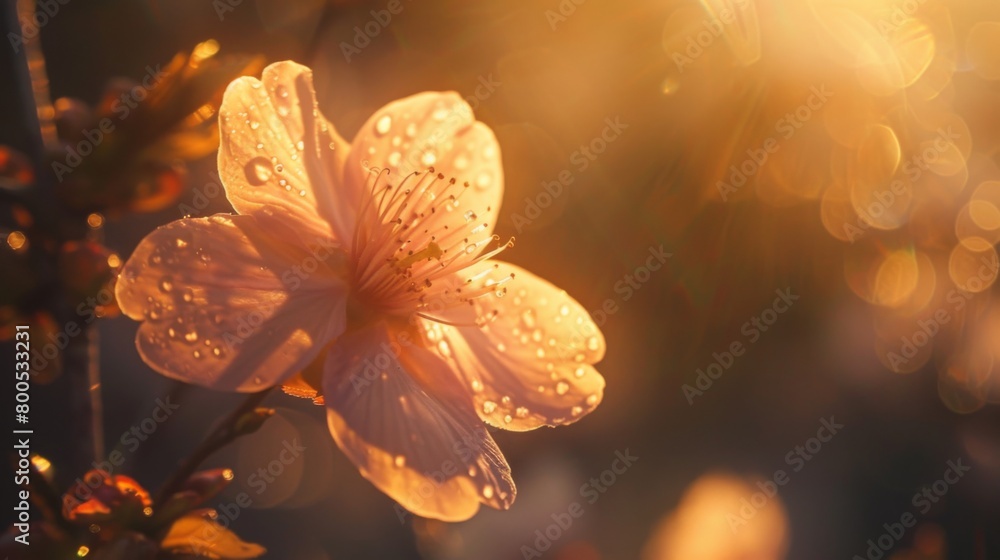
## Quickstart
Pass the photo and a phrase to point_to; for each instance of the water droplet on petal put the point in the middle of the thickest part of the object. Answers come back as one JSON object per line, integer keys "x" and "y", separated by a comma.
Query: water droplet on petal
{"x": 562, "y": 388}
{"x": 383, "y": 125}
{"x": 521, "y": 412}
{"x": 489, "y": 407}
{"x": 411, "y": 130}
{"x": 487, "y": 491}
{"x": 399, "y": 461}
{"x": 477, "y": 385}
{"x": 576, "y": 411}
{"x": 579, "y": 372}
{"x": 528, "y": 317}
{"x": 300, "y": 145}
{"x": 258, "y": 171}
{"x": 394, "y": 158}
{"x": 191, "y": 336}
{"x": 429, "y": 158}
{"x": 188, "y": 295}
{"x": 484, "y": 180}
{"x": 592, "y": 400}
{"x": 166, "y": 284}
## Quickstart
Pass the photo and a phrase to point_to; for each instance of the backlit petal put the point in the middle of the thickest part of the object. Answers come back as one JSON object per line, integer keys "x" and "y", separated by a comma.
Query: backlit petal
{"x": 530, "y": 365}
{"x": 278, "y": 155}
{"x": 226, "y": 305}
{"x": 454, "y": 207}
{"x": 426, "y": 452}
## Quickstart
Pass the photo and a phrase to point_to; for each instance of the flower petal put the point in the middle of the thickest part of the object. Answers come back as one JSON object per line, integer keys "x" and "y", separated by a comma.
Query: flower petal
{"x": 455, "y": 206}
{"x": 223, "y": 304}
{"x": 432, "y": 456}
{"x": 279, "y": 155}
{"x": 530, "y": 365}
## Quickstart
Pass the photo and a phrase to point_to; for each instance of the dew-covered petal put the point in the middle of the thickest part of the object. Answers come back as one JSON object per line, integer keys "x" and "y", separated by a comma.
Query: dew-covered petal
{"x": 416, "y": 444}
{"x": 530, "y": 363}
{"x": 224, "y": 303}
{"x": 452, "y": 209}
{"x": 279, "y": 155}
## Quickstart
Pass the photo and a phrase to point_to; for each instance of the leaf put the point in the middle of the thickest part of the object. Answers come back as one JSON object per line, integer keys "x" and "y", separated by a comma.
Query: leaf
{"x": 201, "y": 536}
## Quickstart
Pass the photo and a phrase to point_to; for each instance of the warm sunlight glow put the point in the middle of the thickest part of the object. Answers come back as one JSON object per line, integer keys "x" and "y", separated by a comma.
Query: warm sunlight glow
{"x": 383, "y": 247}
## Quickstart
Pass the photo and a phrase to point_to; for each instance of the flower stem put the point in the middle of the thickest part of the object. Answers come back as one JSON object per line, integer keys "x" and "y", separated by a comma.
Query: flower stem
{"x": 224, "y": 432}
{"x": 33, "y": 81}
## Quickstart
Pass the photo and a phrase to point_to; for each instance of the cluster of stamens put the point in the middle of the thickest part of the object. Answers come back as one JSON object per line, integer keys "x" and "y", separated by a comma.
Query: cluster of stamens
{"x": 412, "y": 235}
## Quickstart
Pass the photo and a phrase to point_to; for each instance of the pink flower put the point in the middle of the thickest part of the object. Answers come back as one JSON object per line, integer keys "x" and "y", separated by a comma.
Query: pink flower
{"x": 342, "y": 246}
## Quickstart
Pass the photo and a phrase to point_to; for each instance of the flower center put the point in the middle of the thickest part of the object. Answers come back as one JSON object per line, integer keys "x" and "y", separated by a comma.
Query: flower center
{"x": 412, "y": 238}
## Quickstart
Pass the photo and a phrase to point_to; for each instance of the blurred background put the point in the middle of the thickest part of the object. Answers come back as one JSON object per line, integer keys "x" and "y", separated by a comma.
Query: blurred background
{"x": 824, "y": 176}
